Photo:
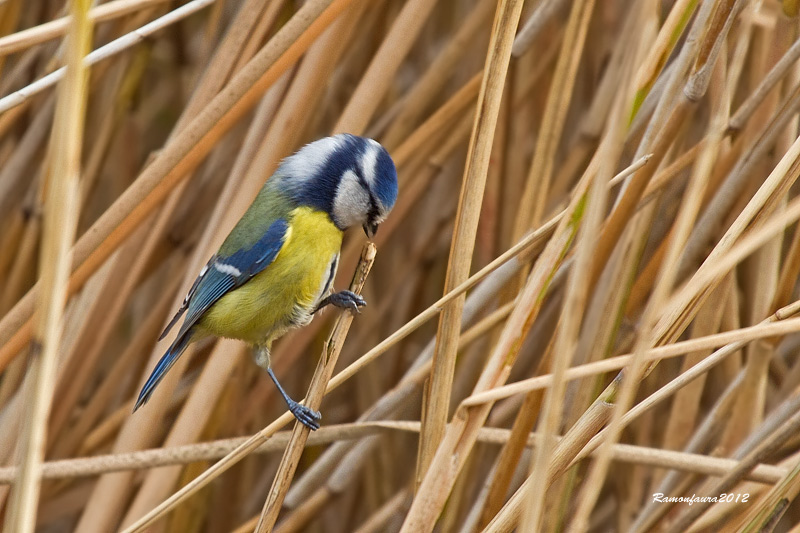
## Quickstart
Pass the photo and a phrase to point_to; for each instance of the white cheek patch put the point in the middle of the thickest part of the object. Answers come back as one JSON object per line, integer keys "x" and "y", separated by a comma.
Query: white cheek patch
{"x": 369, "y": 162}
{"x": 310, "y": 159}
{"x": 351, "y": 204}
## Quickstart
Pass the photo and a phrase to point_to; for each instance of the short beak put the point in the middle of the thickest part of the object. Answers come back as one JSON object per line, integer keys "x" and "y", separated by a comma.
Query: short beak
{"x": 370, "y": 229}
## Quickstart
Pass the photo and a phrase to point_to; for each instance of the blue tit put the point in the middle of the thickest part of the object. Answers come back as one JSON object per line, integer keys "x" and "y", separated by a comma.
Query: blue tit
{"x": 276, "y": 268}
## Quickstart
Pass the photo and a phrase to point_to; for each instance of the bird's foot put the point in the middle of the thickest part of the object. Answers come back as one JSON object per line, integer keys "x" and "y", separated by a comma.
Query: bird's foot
{"x": 307, "y": 416}
{"x": 347, "y": 300}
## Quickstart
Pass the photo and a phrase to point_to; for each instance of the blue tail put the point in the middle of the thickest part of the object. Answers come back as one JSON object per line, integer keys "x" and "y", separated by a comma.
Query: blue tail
{"x": 163, "y": 366}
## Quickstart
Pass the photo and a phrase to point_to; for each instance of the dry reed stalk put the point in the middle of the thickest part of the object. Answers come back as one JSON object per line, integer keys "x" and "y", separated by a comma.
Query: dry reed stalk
{"x": 460, "y": 434}
{"x": 574, "y": 301}
{"x": 684, "y": 222}
{"x": 198, "y": 407}
{"x": 772, "y": 506}
{"x": 10, "y": 13}
{"x": 633, "y": 373}
{"x": 69, "y": 442}
{"x": 179, "y": 157}
{"x": 222, "y": 65}
{"x": 27, "y": 147}
{"x": 284, "y": 132}
{"x": 698, "y": 369}
{"x": 766, "y": 448}
{"x": 21, "y": 96}
{"x": 774, "y": 76}
{"x": 414, "y": 103}
{"x": 265, "y": 23}
{"x": 378, "y": 521}
{"x": 60, "y": 221}
{"x": 322, "y": 376}
{"x": 530, "y": 30}
{"x": 685, "y": 406}
{"x": 348, "y": 460}
{"x": 109, "y": 489}
{"x": 667, "y": 39}
{"x": 300, "y": 518}
{"x": 763, "y": 473}
{"x": 511, "y": 512}
{"x": 531, "y": 207}
{"x": 375, "y": 81}
{"x": 208, "y": 90}
{"x": 455, "y": 105}
{"x": 575, "y": 439}
{"x": 75, "y": 372}
{"x": 534, "y": 196}
{"x": 761, "y": 205}
{"x": 725, "y": 195}
{"x": 409, "y": 75}
{"x": 528, "y": 411}
{"x": 134, "y": 433}
{"x": 194, "y": 416}
{"x": 391, "y": 402}
{"x": 58, "y": 27}
{"x": 251, "y": 444}
{"x": 438, "y": 405}
{"x": 673, "y": 115}
{"x": 675, "y": 385}
{"x": 109, "y": 305}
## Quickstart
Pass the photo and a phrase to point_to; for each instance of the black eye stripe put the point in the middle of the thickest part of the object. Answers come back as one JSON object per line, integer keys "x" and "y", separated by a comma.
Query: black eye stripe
{"x": 372, "y": 214}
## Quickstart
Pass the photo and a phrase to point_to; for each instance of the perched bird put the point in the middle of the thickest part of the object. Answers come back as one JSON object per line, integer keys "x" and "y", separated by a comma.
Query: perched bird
{"x": 276, "y": 268}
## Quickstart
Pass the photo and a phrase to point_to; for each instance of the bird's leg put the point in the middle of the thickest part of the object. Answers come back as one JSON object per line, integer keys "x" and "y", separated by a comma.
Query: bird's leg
{"x": 342, "y": 299}
{"x": 307, "y": 416}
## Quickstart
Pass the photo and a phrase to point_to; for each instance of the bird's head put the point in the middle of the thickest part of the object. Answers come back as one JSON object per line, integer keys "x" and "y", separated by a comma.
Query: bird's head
{"x": 351, "y": 178}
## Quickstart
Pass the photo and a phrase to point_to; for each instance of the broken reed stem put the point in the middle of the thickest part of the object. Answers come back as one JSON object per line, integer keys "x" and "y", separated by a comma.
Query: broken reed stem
{"x": 466, "y": 226}
{"x": 330, "y": 355}
{"x": 60, "y": 221}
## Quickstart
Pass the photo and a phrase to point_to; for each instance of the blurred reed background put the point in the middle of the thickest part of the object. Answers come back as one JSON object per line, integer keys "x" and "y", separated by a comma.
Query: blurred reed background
{"x": 585, "y": 186}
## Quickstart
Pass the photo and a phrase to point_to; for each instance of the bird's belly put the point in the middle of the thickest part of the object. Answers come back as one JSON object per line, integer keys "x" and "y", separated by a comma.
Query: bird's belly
{"x": 284, "y": 294}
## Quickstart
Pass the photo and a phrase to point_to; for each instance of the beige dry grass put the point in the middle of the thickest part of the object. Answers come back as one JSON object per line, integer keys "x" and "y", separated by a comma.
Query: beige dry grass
{"x": 597, "y": 204}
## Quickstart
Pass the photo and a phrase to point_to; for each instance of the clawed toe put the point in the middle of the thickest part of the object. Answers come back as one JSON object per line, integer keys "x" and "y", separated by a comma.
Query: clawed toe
{"x": 357, "y": 299}
{"x": 348, "y": 300}
{"x": 343, "y": 300}
{"x": 307, "y": 416}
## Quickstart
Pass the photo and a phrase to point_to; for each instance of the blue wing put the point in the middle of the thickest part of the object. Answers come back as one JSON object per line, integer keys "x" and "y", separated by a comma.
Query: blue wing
{"x": 220, "y": 276}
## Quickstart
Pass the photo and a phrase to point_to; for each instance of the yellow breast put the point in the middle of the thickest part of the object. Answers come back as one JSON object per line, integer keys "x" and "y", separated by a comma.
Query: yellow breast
{"x": 284, "y": 293}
